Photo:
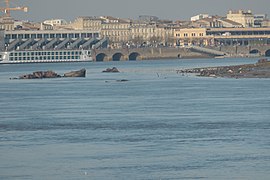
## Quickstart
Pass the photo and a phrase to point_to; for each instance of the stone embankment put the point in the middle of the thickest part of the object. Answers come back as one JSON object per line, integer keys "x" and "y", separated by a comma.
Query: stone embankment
{"x": 261, "y": 69}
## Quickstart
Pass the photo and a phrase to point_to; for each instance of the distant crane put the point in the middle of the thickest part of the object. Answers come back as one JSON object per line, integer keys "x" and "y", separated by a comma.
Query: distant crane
{"x": 6, "y": 10}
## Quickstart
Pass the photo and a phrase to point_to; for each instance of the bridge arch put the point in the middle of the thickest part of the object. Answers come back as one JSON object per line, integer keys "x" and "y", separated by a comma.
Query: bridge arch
{"x": 101, "y": 57}
{"x": 267, "y": 53}
{"x": 254, "y": 51}
{"x": 133, "y": 56}
{"x": 117, "y": 56}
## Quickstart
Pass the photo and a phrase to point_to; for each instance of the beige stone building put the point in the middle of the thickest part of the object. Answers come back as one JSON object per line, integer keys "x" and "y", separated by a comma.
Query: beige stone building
{"x": 244, "y": 18}
{"x": 7, "y": 23}
{"x": 151, "y": 34}
{"x": 124, "y": 31}
{"x": 190, "y": 36}
{"x": 87, "y": 23}
{"x": 116, "y": 30}
{"x": 141, "y": 33}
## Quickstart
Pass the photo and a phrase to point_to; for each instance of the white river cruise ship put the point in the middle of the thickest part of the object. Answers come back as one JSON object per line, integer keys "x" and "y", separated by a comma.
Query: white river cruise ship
{"x": 45, "y": 56}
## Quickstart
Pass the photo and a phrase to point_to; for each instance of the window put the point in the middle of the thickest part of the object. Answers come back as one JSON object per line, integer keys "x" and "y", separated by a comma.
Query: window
{"x": 34, "y": 36}
{"x": 71, "y": 35}
{"x": 14, "y": 36}
{"x": 8, "y": 36}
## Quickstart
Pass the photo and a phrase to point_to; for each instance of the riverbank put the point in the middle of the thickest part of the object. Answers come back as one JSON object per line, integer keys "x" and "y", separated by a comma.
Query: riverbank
{"x": 261, "y": 69}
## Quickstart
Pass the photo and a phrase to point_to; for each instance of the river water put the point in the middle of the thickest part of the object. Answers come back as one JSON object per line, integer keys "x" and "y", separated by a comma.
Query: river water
{"x": 157, "y": 125}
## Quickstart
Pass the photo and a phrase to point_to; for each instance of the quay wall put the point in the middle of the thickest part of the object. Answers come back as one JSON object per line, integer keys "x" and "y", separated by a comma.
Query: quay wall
{"x": 259, "y": 50}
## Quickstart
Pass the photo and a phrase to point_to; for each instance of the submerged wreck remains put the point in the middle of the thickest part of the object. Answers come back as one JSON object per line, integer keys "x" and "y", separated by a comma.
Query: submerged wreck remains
{"x": 52, "y": 74}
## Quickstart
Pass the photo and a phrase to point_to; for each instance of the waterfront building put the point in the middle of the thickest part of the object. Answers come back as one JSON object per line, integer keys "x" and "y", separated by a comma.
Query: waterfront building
{"x": 151, "y": 34}
{"x": 222, "y": 36}
{"x": 190, "y": 36}
{"x": 116, "y": 30}
{"x": 242, "y": 17}
{"x": 142, "y": 32}
{"x": 239, "y": 36}
{"x": 51, "y": 39}
{"x": 39, "y": 34}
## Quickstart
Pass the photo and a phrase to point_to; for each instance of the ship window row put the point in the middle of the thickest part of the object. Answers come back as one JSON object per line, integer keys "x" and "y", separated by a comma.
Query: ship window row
{"x": 45, "y": 53}
{"x": 53, "y": 35}
{"x": 44, "y": 58}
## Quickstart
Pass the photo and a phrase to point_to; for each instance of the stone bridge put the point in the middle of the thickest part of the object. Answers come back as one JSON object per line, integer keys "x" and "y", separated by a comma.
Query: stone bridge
{"x": 173, "y": 53}
{"x": 143, "y": 53}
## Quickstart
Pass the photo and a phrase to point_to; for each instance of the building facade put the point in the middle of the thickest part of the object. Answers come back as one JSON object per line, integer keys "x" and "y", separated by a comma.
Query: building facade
{"x": 87, "y": 23}
{"x": 190, "y": 36}
{"x": 242, "y": 17}
{"x": 116, "y": 30}
{"x": 7, "y": 23}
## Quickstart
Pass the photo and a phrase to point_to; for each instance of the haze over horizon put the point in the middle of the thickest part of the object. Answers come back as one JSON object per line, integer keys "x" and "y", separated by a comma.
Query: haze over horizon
{"x": 40, "y": 10}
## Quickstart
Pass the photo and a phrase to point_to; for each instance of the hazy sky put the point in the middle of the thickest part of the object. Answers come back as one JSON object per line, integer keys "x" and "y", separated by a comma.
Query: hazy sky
{"x": 40, "y": 10}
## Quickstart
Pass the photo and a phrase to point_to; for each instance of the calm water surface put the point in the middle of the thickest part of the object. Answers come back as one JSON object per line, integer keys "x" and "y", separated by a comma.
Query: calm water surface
{"x": 157, "y": 125}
